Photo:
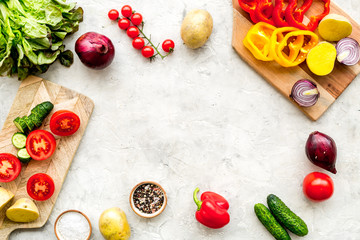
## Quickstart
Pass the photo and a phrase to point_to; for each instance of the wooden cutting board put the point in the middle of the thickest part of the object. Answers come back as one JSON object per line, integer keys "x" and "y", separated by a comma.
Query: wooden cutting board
{"x": 330, "y": 86}
{"x": 33, "y": 91}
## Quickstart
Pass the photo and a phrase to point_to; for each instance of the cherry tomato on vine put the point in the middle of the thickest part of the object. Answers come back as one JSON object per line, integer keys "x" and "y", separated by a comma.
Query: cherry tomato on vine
{"x": 138, "y": 43}
{"x": 113, "y": 14}
{"x": 147, "y": 51}
{"x": 124, "y": 23}
{"x": 133, "y": 32}
{"x": 136, "y": 19}
{"x": 318, "y": 186}
{"x": 126, "y": 11}
{"x": 168, "y": 45}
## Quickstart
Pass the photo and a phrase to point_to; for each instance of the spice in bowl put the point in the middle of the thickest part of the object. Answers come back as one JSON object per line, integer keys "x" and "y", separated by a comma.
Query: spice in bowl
{"x": 148, "y": 199}
{"x": 72, "y": 225}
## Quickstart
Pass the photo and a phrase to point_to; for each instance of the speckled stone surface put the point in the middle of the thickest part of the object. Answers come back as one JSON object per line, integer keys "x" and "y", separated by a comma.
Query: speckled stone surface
{"x": 199, "y": 118}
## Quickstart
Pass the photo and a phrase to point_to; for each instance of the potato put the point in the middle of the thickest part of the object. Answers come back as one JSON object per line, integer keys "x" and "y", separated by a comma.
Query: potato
{"x": 113, "y": 224}
{"x": 23, "y": 210}
{"x": 196, "y": 28}
{"x": 334, "y": 27}
{"x": 321, "y": 59}
{"x": 5, "y": 197}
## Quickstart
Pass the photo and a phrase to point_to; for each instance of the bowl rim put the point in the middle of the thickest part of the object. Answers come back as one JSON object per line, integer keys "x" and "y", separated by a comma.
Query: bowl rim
{"x": 145, "y": 215}
{"x": 72, "y": 210}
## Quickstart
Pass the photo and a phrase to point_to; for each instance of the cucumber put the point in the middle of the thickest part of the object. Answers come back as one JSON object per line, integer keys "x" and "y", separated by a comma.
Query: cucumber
{"x": 48, "y": 106}
{"x": 39, "y": 111}
{"x": 286, "y": 217}
{"x": 21, "y": 125}
{"x": 23, "y": 155}
{"x": 29, "y": 123}
{"x": 19, "y": 140}
{"x": 270, "y": 223}
{"x": 35, "y": 119}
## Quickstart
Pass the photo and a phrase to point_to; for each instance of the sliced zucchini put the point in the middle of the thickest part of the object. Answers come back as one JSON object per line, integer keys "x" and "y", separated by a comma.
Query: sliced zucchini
{"x": 48, "y": 106}
{"x": 21, "y": 125}
{"x": 23, "y": 155}
{"x": 19, "y": 140}
{"x": 29, "y": 123}
{"x": 35, "y": 119}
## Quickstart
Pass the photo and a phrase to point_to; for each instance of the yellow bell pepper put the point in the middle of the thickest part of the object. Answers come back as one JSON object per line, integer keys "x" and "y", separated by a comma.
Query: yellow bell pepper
{"x": 257, "y": 41}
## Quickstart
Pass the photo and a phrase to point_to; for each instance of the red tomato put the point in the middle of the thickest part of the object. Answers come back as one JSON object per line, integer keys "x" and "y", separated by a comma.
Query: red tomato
{"x": 113, "y": 14}
{"x": 136, "y": 19}
{"x": 40, "y": 145}
{"x": 10, "y": 167}
{"x": 138, "y": 43}
{"x": 318, "y": 186}
{"x": 168, "y": 45}
{"x": 147, "y": 51}
{"x": 126, "y": 11}
{"x": 40, "y": 187}
{"x": 64, "y": 123}
{"x": 133, "y": 32}
{"x": 124, "y": 23}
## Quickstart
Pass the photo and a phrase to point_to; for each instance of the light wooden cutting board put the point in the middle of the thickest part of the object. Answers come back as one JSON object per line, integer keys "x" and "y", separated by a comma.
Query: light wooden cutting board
{"x": 33, "y": 91}
{"x": 330, "y": 86}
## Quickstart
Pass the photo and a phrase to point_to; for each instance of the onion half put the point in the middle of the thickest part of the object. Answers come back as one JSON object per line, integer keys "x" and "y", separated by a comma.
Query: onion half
{"x": 305, "y": 93}
{"x": 348, "y": 51}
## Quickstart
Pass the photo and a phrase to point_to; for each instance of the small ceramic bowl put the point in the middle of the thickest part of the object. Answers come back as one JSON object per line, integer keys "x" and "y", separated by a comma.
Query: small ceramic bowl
{"x": 58, "y": 218}
{"x": 147, "y": 215}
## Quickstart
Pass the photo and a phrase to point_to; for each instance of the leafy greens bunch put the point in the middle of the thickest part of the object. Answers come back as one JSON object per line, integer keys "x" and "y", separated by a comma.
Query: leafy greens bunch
{"x": 32, "y": 34}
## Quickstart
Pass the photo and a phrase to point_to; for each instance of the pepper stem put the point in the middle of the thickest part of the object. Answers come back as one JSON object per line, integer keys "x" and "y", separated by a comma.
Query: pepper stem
{"x": 196, "y": 200}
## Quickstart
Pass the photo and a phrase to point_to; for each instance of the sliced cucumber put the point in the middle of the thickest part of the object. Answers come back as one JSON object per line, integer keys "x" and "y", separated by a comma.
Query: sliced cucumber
{"x": 23, "y": 155}
{"x": 19, "y": 140}
{"x": 48, "y": 106}
{"x": 35, "y": 119}
{"x": 21, "y": 125}
{"x": 29, "y": 123}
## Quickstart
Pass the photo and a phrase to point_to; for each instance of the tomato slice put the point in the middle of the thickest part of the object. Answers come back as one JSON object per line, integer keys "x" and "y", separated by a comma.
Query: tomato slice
{"x": 40, "y": 145}
{"x": 10, "y": 167}
{"x": 64, "y": 123}
{"x": 40, "y": 187}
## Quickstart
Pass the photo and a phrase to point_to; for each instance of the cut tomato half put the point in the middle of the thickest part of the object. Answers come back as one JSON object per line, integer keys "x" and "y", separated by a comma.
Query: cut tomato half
{"x": 64, "y": 123}
{"x": 10, "y": 167}
{"x": 40, "y": 187}
{"x": 40, "y": 145}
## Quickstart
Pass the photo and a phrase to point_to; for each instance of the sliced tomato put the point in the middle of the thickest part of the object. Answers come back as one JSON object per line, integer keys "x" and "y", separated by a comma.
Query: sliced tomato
{"x": 10, "y": 167}
{"x": 64, "y": 123}
{"x": 40, "y": 145}
{"x": 40, "y": 187}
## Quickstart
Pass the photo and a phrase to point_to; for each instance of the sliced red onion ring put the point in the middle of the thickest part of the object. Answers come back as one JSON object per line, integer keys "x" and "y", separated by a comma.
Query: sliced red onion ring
{"x": 348, "y": 51}
{"x": 305, "y": 93}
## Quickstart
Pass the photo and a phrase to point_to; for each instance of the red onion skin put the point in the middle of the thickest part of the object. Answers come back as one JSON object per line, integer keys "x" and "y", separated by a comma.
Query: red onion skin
{"x": 95, "y": 50}
{"x": 321, "y": 151}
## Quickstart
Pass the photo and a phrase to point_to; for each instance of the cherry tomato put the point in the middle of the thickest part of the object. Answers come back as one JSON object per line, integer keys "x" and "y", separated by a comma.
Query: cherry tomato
{"x": 147, "y": 51}
{"x": 124, "y": 23}
{"x": 40, "y": 145}
{"x": 136, "y": 19}
{"x": 126, "y": 11}
{"x": 10, "y": 167}
{"x": 138, "y": 43}
{"x": 40, "y": 187}
{"x": 168, "y": 45}
{"x": 133, "y": 32}
{"x": 64, "y": 123}
{"x": 318, "y": 186}
{"x": 113, "y": 14}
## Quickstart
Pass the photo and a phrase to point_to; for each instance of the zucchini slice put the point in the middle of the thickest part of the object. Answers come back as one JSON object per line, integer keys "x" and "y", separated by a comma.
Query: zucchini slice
{"x": 19, "y": 140}
{"x": 23, "y": 155}
{"x": 21, "y": 125}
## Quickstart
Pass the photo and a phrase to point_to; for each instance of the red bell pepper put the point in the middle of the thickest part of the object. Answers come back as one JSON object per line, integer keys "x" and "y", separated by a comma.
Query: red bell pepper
{"x": 295, "y": 21}
{"x": 279, "y": 12}
{"x": 264, "y": 10}
{"x": 212, "y": 209}
{"x": 249, "y": 6}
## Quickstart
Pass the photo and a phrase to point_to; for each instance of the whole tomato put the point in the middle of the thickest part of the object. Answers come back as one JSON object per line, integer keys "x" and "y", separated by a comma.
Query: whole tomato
{"x": 318, "y": 186}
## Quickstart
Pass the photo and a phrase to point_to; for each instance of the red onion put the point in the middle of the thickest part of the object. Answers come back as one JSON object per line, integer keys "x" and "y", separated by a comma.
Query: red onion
{"x": 305, "y": 93}
{"x": 348, "y": 51}
{"x": 95, "y": 50}
{"x": 321, "y": 151}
